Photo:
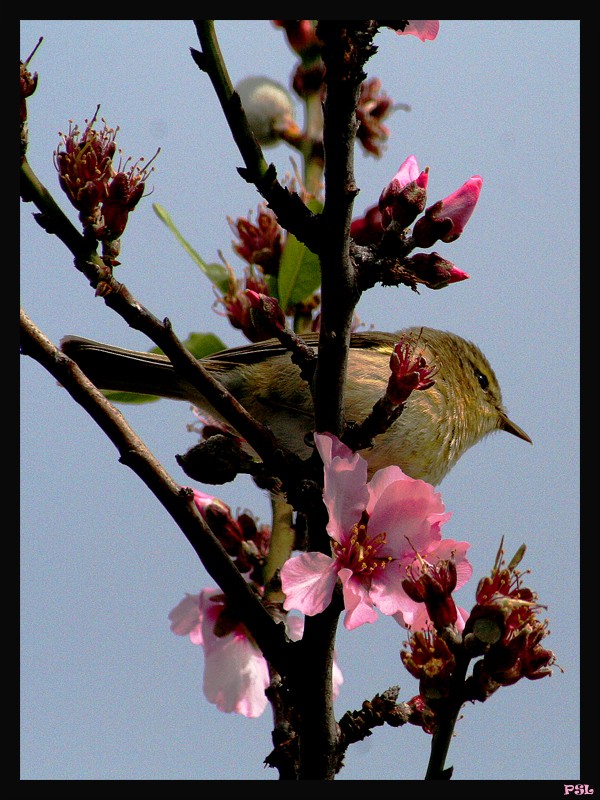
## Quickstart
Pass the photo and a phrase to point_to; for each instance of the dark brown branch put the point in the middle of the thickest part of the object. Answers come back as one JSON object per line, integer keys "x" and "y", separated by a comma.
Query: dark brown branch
{"x": 345, "y": 50}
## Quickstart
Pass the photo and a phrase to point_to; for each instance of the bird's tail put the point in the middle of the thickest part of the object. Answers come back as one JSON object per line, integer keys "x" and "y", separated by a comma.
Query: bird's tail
{"x": 117, "y": 369}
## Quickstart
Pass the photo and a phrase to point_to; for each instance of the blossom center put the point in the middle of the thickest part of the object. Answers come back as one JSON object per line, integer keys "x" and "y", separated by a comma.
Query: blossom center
{"x": 360, "y": 552}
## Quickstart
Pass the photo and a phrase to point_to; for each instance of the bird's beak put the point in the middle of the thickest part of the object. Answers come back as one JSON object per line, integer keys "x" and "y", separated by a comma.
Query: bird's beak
{"x": 509, "y": 426}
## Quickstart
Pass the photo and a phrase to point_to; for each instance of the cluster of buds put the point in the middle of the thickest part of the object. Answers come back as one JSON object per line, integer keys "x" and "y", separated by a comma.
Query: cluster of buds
{"x": 404, "y": 198}
{"x": 504, "y": 623}
{"x": 258, "y": 243}
{"x": 260, "y": 246}
{"x": 104, "y": 194}
{"x": 385, "y": 226}
{"x": 502, "y": 632}
{"x": 238, "y": 304}
{"x": 244, "y": 541}
{"x": 429, "y": 655}
{"x": 409, "y": 372}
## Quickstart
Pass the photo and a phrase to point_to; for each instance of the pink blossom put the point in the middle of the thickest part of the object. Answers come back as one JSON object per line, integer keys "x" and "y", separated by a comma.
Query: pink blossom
{"x": 378, "y": 532}
{"x": 423, "y": 28}
{"x": 236, "y": 673}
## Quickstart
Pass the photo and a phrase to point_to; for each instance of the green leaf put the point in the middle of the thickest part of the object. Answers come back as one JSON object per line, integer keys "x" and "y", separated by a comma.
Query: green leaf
{"x": 203, "y": 344}
{"x": 133, "y": 398}
{"x": 299, "y": 270}
{"x": 216, "y": 273}
{"x": 199, "y": 345}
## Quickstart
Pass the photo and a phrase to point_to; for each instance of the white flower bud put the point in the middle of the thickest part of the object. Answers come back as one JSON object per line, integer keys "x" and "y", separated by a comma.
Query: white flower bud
{"x": 268, "y": 107}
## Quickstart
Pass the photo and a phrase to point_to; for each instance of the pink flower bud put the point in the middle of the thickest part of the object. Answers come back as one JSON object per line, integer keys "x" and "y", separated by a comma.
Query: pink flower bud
{"x": 460, "y": 205}
{"x": 269, "y": 306}
{"x": 203, "y": 501}
{"x": 447, "y": 218}
{"x": 405, "y": 195}
{"x": 301, "y": 34}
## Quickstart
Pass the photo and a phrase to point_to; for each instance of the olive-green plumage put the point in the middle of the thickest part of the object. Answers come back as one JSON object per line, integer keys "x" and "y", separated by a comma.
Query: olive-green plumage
{"x": 437, "y": 426}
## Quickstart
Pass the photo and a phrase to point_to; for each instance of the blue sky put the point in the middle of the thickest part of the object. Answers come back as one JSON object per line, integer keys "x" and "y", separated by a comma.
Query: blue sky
{"x": 107, "y": 691}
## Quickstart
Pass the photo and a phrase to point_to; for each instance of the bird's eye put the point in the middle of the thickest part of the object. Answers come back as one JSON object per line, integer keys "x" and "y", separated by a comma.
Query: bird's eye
{"x": 483, "y": 380}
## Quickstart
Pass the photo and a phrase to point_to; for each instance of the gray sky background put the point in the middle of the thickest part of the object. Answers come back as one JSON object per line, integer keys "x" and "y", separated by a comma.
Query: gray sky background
{"x": 107, "y": 691}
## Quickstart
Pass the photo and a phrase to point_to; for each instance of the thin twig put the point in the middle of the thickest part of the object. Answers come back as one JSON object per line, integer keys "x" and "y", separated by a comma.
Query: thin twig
{"x": 117, "y": 296}
{"x": 291, "y": 212}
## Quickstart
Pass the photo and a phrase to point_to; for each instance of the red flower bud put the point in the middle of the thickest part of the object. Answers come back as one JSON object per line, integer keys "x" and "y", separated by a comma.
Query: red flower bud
{"x": 368, "y": 229}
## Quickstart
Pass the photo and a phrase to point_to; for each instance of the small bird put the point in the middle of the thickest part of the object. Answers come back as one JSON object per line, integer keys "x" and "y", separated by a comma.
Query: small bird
{"x": 436, "y": 427}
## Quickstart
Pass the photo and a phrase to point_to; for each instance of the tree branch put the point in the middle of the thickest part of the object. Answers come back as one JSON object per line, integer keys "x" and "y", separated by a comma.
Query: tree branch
{"x": 292, "y": 214}
{"x": 177, "y": 500}
{"x": 117, "y": 296}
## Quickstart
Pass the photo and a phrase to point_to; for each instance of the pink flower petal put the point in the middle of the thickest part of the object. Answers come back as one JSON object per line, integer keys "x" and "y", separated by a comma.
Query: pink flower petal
{"x": 345, "y": 492}
{"x": 358, "y": 605}
{"x": 236, "y": 676}
{"x": 185, "y": 617}
{"x": 448, "y": 548}
{"x": 381, "y": 480}
{"x": 308, "y": 581}
{"x": 423, "y": 28}
{"x": 410, "y": 513}
{"x": 407, "y": 172}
